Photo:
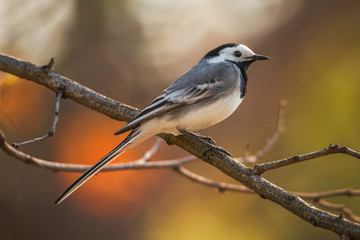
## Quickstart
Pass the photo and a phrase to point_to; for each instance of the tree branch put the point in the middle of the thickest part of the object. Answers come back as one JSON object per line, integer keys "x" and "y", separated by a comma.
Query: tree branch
{"x": 200, "y": 149}
{"x": 43, "y": 75}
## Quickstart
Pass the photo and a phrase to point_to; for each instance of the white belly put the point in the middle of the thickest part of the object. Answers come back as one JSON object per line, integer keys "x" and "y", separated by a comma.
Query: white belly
{"x": 202, "y": 118}
{"x": 211, "y": 114}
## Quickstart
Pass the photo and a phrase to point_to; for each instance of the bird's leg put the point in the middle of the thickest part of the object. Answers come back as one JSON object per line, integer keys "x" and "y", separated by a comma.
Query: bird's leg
{"x": 205, "y": 139}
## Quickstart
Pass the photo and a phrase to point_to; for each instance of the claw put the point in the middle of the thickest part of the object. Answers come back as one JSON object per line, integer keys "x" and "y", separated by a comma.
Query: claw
{"x": 206, "y": 139}
{"x": 220, "y": 149}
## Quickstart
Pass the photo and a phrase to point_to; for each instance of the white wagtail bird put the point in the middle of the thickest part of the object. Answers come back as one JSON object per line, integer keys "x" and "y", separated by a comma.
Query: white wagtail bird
{"x": 205, "y": 95}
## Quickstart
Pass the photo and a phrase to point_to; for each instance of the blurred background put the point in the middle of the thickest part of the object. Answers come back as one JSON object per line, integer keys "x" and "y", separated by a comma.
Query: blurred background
{"x": 131, "y": 51}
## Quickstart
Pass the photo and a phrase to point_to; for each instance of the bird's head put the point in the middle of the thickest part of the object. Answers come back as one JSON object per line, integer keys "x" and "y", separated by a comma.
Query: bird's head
{"x": 238, "y": 54}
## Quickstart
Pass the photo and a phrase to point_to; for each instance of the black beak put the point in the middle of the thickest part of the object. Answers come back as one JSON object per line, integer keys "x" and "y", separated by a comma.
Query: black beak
{"x": 259, "y": 57}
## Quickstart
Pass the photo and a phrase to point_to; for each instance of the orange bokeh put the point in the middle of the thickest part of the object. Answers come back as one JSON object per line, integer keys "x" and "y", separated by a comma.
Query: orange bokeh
{"x": 84, "y": 139}
{"x": 19, "y": 100}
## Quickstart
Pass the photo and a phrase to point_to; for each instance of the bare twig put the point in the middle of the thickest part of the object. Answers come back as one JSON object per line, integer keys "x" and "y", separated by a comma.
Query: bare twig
{"x": 48, "y": 67}
{"x": 56, "y": 166}
{"x": 208, "y": 182}
{"x": 261, "y": 168}
{"x": 143, "y": 163}
{"x": 151, "y": 151}
{"x": 52, "y": 131}
{"x": 238, "y": 188}
{"x": 270, "y": 143}
{"x": 315, "y": 197}
{"x": 327, "y": 194}
{"x": 340, "y": 208}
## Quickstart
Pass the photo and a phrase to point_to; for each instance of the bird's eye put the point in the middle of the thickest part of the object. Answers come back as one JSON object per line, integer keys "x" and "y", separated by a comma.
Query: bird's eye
{"x": 237, "y": 54}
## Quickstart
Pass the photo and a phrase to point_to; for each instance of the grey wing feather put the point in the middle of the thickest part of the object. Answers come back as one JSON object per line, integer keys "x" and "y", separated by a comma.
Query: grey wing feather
{"x": 166, "y": 103}
{"x": 195, "y": 85}
{"x": 158, "y": 107}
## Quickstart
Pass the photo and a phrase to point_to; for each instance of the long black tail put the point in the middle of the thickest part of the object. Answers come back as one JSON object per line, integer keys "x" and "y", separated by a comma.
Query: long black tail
{"x": 97, "y": 167}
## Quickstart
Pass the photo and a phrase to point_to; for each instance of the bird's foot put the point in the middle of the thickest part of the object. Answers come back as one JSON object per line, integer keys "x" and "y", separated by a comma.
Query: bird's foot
{"x": 221, "y": 149}
{"x": 211, "y": 143}
{"x": 205, "y": 138}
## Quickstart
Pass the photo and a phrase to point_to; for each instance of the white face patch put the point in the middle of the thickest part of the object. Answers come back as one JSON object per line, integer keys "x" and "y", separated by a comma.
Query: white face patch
{"x": 228, "y": 54}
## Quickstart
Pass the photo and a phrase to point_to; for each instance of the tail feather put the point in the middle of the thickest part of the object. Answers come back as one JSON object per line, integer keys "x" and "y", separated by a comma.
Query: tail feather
{"x": 98, "y": 166}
